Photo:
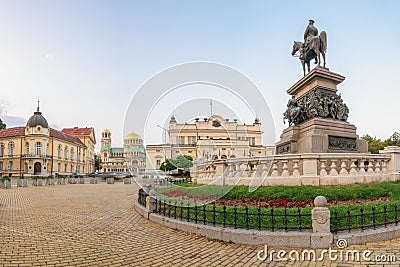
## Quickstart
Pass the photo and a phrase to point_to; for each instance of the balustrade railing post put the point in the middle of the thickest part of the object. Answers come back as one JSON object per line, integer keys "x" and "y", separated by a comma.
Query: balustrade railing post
{"x": 151, "y": 205}
{"x": 321, "y": 236}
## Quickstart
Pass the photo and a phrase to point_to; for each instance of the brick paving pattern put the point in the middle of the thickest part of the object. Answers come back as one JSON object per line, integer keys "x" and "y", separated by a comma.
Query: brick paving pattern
{"x": 96, "y": 225}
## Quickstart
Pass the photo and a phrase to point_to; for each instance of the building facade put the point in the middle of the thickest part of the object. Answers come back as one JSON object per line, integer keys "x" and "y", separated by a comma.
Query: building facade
{"x": 37, "y": 149}
{"x": 210, "y": 138}
{"x": 116, "y": 159}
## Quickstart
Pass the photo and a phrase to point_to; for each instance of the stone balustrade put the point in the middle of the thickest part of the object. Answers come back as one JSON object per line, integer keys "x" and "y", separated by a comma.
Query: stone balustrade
{"x": 302, "y": 169}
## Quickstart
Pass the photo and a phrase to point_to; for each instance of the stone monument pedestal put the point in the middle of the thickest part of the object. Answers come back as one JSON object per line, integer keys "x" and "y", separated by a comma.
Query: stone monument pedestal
{"x": 321, "y": 136}
{"x": 321, "y": 124}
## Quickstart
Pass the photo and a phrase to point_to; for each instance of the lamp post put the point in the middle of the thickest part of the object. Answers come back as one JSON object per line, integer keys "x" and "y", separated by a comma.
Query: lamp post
{"x": 165, "y": 133}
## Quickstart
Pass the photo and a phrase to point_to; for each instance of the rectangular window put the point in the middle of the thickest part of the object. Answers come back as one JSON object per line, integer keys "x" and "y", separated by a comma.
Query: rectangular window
{"x": 158, "y": 150}
{"x": 181, "y": 140}
{"x": 59, "y": 167}
{"x": 10, "y": 165}
{"x": 1, "y": 165}
{"x": 158, "y": 163}
{"x": 223, "y": 148}
{"x": 65, "y": 168}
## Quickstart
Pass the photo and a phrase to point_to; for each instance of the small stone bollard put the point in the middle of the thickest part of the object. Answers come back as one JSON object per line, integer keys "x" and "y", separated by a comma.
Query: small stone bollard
{"x": 22, "y": 183}
{"x": 110, "y": 180}
{"x": 93, "y": 180}
{"x": 127, "y": 180}
{"x": 321, "y": 236}
{"x": 61, "y": 181}
{"x": 37, "y": 182}
{"x": 6, "y": 184}
{"x": 151, "y": 201}
{"x": 81, "y": 180}
{"x": 50, "y": 181}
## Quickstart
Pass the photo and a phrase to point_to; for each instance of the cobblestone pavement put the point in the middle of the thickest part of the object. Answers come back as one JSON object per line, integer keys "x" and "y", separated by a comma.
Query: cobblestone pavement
{"x": 96, "y": 225}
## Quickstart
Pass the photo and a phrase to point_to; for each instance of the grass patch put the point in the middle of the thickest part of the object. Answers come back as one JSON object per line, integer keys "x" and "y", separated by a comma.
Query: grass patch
{"x": 297, "y": 193}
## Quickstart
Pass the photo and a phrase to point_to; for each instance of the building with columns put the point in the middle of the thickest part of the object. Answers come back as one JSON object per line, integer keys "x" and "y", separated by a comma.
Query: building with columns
{"x": 208, "y": 138}
{"x": 37, "y": 149}
{"x": 116, "y": 159}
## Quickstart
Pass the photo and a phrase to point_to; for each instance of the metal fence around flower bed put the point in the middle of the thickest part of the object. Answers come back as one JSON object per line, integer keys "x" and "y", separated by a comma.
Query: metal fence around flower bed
{"x": 142, "y": 197}
{"x": 257, "y": 218}
{"x": 375, "y": 216}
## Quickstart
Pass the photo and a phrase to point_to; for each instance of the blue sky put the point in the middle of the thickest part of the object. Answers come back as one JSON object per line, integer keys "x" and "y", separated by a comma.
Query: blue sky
{"x": 86, "y": 59}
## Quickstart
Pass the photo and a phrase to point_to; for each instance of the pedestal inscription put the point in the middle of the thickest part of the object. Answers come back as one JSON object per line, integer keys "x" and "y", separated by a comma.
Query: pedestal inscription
{"x": 342, "y": 143}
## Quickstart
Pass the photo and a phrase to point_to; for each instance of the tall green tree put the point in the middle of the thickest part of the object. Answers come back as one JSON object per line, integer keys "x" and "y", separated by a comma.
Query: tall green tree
{"x": 97, "y": 162}
{"x": 168, "y": 166}
{"x": 2, "y": 125}
{"x": 374, "y": 144}
{"x": 393, "y": 140}
{"x": 183, "y": 162}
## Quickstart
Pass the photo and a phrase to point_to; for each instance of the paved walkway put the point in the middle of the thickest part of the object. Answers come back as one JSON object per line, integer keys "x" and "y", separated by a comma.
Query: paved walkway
{"x": 96, "y": 225}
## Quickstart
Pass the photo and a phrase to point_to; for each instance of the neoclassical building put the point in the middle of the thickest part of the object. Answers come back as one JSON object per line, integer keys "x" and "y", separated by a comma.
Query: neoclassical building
{"x": 37, "y": 149}
{"x": 116, "y": 159}
{"x": 209, "y": 138}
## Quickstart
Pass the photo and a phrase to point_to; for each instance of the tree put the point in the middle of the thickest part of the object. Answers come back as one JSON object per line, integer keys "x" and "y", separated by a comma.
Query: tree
{"x": 374, "y": 144}
{"x": 393, "y": 140}
{"x": 97, "y": 162}
{"x": 184, "y": 162}
{"x": 2, "y": 125}
{"x": 168, "y": 166}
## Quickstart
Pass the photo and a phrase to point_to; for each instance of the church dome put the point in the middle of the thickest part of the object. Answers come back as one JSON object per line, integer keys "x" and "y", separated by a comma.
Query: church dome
{"x": 133, "y": 136}
{"x": 37, "y": 119}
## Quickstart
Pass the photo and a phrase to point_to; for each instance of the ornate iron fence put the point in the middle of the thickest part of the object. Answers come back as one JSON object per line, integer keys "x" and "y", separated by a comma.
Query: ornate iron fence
{"x": 258, "y": 218}
{"x": 377, "y": 216}
{"x": 142, "y": 197}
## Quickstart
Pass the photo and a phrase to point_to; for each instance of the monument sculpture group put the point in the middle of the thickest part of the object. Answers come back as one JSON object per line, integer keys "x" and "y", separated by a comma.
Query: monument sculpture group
{"x": 316, "y": 114}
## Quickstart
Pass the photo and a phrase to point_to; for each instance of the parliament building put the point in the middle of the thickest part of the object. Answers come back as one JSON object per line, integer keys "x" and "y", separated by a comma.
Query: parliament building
{"x": 210, "y": 138}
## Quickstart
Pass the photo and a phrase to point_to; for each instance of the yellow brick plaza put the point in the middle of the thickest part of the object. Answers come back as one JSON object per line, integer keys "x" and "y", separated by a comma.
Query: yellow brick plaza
{"x": 37, "y": 149}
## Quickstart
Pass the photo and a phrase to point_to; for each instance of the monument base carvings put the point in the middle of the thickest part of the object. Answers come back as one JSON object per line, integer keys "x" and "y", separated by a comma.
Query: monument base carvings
{"x": 317, "y": 118}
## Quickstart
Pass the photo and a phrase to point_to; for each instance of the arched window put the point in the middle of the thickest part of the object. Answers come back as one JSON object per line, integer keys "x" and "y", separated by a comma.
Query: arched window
{"x": 59, "y": 151}
{"x": 27, "y": 148}
{"x": 2, "y": 150}
{"x": 26, "y": 168}
{"x": 11, "y": 149}
{"x": 72, "y": 153}
{"x": 38, "y": 149}
{"x": 65, "y": 153}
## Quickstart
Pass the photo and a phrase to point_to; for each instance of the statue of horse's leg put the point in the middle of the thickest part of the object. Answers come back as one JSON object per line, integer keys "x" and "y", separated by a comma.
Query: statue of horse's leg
{"x": 304, "y": 67}
{"x": 323, "y": 56}
{"x": 318, "y": 56}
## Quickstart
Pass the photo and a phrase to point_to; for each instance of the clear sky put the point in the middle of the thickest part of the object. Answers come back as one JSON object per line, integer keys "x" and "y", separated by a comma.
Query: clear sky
{"x": 86, "y": 59}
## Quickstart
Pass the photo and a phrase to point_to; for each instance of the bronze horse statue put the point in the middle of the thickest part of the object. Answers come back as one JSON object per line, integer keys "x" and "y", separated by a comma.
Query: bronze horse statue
{"x": 317, "y": 46}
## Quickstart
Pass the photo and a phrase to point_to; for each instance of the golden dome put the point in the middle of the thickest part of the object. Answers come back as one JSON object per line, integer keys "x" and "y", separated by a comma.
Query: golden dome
{"x": 133, "y": 136}
{"x": 106, "y": 131}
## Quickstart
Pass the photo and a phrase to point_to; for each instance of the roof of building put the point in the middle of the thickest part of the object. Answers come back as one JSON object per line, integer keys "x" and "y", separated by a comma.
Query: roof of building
{"x": 20, "y": 131}
{"x": 77, "y": 131}
{"x": 106, "y": 131}
{"x": 117, "y": 150}
{"x": 11, "y": 132}
{"x": 37, "y": 119}
{"x": 133, "y": 136}
{"x": 66, "y": 137}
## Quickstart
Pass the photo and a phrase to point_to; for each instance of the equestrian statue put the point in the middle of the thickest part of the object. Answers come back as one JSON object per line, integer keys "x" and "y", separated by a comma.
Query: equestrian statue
{"x": 312, "y": 48}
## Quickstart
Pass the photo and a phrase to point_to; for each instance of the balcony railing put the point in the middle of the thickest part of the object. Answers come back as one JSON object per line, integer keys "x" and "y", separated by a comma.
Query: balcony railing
{"x": 37, "y": 156}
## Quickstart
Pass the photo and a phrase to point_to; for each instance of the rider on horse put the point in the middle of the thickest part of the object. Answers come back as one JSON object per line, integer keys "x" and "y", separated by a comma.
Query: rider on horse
{"x": 310, "y": 32}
